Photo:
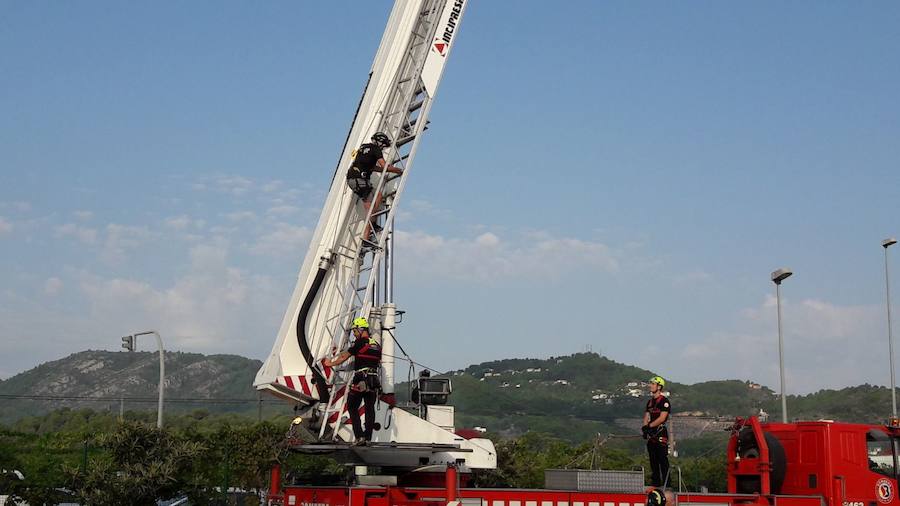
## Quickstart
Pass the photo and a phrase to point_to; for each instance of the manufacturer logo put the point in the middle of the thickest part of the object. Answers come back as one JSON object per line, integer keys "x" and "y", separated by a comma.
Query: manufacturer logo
{"x": 442, "y": 43}
{"x": 884, "y": 491}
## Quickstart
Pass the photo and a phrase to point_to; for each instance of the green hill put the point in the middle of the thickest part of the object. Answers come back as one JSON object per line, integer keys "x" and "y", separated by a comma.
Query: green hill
{"x": 573, "y": 397}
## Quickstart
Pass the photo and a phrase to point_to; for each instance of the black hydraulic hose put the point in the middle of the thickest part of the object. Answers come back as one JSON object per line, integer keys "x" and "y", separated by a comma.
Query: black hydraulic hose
{"x": 318, "y": 379}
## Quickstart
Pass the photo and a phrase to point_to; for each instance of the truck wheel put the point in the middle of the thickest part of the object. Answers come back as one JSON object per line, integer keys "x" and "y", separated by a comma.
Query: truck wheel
{"x": 748, "y": 448}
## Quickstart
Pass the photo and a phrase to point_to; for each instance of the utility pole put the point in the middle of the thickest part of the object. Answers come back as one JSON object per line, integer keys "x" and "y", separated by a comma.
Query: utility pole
{"x": 777, "y": 277}
{"x": 887, "y": 288}
{"x": 259, "y": 406}
{"x": 130, "y": 342}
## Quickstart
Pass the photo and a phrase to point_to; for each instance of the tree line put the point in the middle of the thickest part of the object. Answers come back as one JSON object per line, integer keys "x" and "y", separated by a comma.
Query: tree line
{"x": 93, "y": 458}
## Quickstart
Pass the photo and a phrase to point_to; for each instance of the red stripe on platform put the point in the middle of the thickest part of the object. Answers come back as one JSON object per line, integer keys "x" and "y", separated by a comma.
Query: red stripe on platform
{"x": 304, "y": 385}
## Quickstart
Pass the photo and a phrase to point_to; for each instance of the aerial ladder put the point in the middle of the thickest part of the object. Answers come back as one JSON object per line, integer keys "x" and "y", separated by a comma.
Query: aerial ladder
{"x": 348, "y": 272}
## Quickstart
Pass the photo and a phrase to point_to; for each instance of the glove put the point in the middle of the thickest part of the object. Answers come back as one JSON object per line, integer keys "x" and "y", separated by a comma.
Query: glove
{"x": 645, "y": 431}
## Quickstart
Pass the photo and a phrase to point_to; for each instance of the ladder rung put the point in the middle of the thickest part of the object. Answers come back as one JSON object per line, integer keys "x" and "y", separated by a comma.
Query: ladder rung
{"x": 415, "y": 106}
{"x": 405, "y": 140}
{"x": 370, "y": 244}
{"x": 401, "y": 159}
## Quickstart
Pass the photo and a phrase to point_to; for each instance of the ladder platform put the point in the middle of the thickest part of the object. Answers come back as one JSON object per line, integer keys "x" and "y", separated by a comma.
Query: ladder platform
{"x": 373, "y": 447}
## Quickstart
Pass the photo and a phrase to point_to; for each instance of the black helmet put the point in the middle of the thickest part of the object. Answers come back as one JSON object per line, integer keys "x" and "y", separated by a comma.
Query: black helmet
{"x": 381, "y": 139}
{"x": 656, "y": 497}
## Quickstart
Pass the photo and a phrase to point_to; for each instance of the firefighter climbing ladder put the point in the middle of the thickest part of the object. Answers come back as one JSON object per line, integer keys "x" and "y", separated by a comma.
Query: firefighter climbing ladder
{"x": 368, "y": 282}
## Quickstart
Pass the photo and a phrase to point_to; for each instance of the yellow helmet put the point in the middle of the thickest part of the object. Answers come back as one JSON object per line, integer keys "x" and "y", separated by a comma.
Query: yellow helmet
{"x": 360, "y": 323}
{"x": 658, "y": 380}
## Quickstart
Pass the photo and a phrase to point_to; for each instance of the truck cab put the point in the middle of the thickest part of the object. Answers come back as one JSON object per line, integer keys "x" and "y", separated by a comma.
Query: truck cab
{"x": 844, "y": 464}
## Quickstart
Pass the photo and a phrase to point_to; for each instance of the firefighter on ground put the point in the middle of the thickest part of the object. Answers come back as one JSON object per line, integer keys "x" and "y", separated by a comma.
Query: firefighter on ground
{"x": 656, "y": 417}
{"x": 367, "y": 159}
{"x": 365, "y": 386}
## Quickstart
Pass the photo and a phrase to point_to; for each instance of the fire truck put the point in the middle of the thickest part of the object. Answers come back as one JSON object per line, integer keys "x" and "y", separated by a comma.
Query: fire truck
{"x": 417, "y": 455}
{"x": 817, "y": 463}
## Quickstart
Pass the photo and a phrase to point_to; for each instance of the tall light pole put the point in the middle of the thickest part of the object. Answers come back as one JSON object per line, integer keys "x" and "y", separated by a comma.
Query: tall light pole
{"x": 162, "y": 368}
{"x": 777, "y": 277}
{"x": 887, "y": 288}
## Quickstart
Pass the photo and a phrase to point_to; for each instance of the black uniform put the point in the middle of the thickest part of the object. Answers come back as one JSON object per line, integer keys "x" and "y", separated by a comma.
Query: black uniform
{"x": 363, "y": 165}
{"x": 365, "y": 385}
{"x": 658, "y": 441}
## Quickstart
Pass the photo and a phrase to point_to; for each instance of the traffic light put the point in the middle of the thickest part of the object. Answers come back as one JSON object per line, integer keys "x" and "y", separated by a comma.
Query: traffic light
{"x": 128, "y": 343}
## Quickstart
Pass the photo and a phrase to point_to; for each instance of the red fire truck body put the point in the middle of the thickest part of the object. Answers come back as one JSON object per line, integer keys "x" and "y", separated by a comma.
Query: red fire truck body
{"x": 819, "y": 463}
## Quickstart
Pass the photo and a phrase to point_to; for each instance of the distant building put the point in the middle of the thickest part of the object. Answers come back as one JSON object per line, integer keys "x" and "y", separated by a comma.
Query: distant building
{"x": 632, "y": 384}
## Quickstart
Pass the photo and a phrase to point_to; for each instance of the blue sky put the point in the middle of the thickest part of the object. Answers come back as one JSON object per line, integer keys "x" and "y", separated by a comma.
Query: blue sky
{"x": 620, "y": 175}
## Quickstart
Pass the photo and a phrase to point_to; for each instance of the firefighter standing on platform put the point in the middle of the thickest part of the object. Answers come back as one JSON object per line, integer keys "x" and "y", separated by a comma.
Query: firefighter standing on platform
{"x": 656, "y": 416}
{"x": 364, "y": 388}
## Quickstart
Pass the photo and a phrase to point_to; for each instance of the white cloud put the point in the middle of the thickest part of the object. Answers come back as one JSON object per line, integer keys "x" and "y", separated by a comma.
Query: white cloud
{"x": 53, "y": 286}
{"x": 826, "y": 346}
{"x": 488, "y": 257}
{"x": 418, "y": 207}
{"x": 283, "y": 210}
{"x": 691, "y": 277}
{"x": 122, "y": 238}
{"x": 17, "y": 205}
{"x": 235, "y": 185}
{"x": 213, "y": 308}
{"x": 241, "y": 216}
{"x": 5, "y": 226}
{"x": 284, "y": 240}
{"x": 184, "y": 222}
{"x": 85, "y": 235}
{"x": 83, "y": 215}
{"x": 272, "y": 186}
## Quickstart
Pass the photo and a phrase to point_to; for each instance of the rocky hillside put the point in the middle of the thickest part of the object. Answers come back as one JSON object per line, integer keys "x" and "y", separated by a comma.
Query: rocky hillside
{"x": 97, "y": 379}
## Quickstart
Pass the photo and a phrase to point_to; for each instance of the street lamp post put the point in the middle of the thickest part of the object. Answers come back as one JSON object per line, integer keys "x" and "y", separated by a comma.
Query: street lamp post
{"x": 887, "y": 288}
{"x": 777, "y": 277}
{"x": 132, "y": 340}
